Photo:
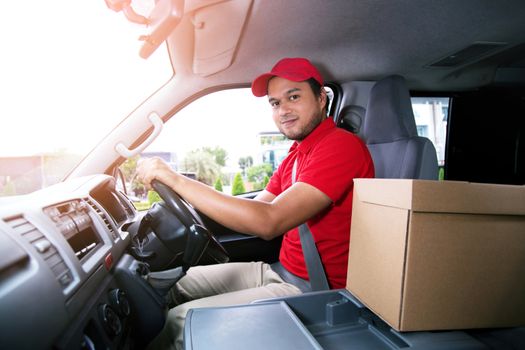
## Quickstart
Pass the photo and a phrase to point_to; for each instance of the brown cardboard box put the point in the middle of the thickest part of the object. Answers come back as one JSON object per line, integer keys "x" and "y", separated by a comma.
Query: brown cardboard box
{"x": 431, "y": 255}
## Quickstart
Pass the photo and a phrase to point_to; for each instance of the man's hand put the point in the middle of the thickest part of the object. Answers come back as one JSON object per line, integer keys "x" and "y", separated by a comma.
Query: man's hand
{"x": 155, "y": 168}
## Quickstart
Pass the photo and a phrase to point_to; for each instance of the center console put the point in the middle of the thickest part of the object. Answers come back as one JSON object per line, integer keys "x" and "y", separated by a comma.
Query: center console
{"x": 324, "y": 320}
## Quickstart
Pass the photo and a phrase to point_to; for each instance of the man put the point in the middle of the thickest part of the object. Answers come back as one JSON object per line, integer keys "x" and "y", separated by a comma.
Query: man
{"x": 314, "y": 184}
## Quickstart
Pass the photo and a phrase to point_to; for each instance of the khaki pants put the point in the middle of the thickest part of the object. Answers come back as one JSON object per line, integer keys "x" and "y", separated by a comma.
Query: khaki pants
{"x": 220, "y": 285}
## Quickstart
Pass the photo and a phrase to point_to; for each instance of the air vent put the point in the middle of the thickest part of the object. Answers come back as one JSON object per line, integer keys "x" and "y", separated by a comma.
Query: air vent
{"x": 46, "y": 250}
{"x": 469, "y": 54}
{"x": 128, "y": 206}
{"x": 104, "y": 218}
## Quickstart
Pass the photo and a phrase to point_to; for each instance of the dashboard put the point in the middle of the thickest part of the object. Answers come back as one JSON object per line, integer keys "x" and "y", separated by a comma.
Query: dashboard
{"x": 66, "y": 280}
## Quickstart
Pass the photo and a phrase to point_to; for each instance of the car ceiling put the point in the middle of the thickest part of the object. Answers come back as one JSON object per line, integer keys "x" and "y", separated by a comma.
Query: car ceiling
{"x": 349, "y": 40}
{"x": 368, "y": 39}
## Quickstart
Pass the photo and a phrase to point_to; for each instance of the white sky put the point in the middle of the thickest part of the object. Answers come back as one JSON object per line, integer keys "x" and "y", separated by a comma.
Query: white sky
{"x": 70, "y": 71}
{"x": 230, "y": 119}
{"x": 65, "y": 69}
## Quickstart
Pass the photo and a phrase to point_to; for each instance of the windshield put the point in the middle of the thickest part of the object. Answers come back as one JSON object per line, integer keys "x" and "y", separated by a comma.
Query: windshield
{"x": 70, "y": 72}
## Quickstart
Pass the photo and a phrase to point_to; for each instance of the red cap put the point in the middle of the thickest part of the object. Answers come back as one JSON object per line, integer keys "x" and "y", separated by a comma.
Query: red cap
{"x": 294, "y": 69}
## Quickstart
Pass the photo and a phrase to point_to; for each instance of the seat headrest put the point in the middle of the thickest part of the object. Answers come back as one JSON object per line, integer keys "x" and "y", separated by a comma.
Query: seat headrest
{"x": 389, "y": 115}
{"x": 351, "y": 118}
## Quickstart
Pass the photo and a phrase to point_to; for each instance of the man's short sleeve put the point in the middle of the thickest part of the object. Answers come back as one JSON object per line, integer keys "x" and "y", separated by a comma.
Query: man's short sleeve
{"x": 281, "y": 178}
{"x": 274, "y": 185}
{"x": 333, "y": 163}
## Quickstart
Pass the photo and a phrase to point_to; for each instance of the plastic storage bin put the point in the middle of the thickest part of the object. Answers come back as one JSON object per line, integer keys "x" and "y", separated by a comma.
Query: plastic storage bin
{"x": 324, "y": 320}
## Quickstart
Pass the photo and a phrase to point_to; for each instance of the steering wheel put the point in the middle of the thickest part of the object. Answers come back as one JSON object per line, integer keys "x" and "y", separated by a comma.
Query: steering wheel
{"x": 198, "y": 238}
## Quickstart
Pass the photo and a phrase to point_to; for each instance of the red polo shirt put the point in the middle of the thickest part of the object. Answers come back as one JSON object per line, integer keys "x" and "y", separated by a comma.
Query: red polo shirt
{"x": 329, "y": 158}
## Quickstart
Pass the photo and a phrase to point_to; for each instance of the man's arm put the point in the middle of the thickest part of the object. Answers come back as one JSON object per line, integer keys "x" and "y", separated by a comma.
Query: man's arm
{"x": 267, "y": 216}
{"x": 265, "y": 196}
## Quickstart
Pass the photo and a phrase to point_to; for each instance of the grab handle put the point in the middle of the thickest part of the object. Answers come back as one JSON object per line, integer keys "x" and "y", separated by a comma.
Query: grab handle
{"x": 157, "y": 127}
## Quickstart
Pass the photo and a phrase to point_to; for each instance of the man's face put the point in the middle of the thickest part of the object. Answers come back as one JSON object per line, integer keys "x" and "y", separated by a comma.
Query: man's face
{"x": 296, "y": 109}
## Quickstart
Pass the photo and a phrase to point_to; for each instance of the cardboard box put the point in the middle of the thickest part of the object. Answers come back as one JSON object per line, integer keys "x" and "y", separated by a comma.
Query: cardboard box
{"x": 434, "y": 255}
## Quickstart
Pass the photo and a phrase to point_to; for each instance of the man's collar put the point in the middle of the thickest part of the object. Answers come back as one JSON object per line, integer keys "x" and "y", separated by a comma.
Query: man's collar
{"x": 309, "y": 141}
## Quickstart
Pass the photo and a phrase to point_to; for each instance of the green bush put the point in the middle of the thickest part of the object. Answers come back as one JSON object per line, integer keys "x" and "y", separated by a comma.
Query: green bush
{"x": 153, "y": 197}
{"x": 218, "y": 184}
{"x": 238, "y": 185}
{"x": 265, "y": 181}
{"x": 142, "y": 205}
{"x": 441, "y": 175}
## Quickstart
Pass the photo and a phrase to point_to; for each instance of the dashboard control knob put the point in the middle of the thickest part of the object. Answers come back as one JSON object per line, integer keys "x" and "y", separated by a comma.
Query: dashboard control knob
{"x": 110, "y": 320}
{"x": 142, "y": 269}
{"x": 120, "y": 302}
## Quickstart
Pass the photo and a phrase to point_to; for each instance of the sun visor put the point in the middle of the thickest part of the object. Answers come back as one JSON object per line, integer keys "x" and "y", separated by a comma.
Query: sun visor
{"x": 217, "y": 29}
{"x": 162, "y": 21}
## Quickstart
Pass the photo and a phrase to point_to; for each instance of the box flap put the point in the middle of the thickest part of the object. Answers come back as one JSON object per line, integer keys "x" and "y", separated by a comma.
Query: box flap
{"x": 443, "y": 196}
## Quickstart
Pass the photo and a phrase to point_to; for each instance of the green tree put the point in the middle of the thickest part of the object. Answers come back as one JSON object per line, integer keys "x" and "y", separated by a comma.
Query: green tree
{"x": 219, "y": 154}
{"x": 257, "y": 174}
{"x": 238, "y": 185}
{"x": 129, "y": 168}
{"x": 244, "y": 163}
{"x": 218, "y": 184}
{"x": 203, "y": 164}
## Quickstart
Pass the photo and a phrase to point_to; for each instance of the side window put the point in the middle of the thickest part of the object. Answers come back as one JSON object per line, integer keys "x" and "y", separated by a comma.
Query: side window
{"x": 431, "y": 114}
{"x": 226, "y": 139}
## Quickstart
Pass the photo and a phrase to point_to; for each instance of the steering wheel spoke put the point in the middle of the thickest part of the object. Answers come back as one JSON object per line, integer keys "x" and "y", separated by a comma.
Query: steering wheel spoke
{"x": 199, "y": 239}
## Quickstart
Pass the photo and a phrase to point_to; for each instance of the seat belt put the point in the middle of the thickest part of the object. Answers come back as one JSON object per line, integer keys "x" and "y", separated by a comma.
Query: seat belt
{"x": 314, "y": 266}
